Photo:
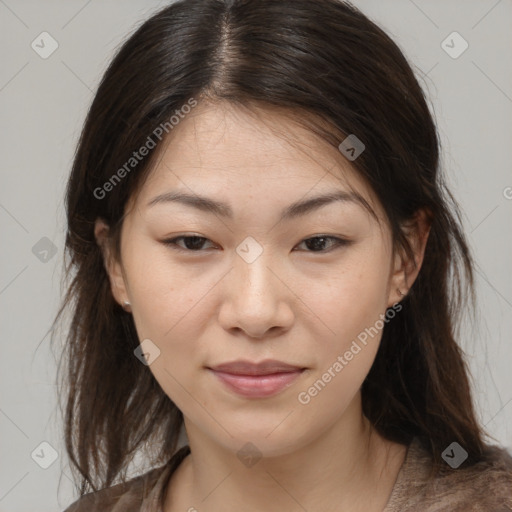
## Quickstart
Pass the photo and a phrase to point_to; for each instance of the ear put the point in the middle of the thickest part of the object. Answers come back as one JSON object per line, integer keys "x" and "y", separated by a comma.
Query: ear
{"x": 406, "y": 268}
{"x": 112, "y": 266}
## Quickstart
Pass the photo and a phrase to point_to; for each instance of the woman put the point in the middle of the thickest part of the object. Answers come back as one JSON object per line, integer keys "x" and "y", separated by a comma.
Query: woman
{"x": 267, "y": 261}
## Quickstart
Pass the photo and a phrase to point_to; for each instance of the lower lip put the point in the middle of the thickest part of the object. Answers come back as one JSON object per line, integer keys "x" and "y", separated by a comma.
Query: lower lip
{"x": 257, "y": 386}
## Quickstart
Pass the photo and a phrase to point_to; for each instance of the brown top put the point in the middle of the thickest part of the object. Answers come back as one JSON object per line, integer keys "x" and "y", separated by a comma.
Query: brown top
{"x": 483, "y": 487}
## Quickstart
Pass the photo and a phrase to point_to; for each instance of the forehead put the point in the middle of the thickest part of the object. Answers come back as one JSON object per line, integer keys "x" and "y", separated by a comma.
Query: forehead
{"x": 221, "y": 148}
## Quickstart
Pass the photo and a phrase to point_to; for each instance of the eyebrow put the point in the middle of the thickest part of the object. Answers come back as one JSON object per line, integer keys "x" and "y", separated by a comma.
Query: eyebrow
{"x": 297, "y": 209}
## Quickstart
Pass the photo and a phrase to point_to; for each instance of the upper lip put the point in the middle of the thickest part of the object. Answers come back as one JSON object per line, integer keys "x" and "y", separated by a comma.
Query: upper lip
{"x": 267, "y": 367}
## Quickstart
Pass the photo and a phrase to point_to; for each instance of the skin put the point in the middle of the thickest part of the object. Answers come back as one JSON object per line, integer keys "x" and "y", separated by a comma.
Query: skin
{"x": 297, "y": 302}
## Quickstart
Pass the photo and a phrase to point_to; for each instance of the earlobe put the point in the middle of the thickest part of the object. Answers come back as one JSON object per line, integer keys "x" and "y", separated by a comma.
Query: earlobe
{"x": 112, "y": 266}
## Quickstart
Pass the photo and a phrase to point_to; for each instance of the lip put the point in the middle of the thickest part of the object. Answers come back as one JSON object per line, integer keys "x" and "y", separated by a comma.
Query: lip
{"x": 257, "y": 380}
{"x": 266, "y": 367}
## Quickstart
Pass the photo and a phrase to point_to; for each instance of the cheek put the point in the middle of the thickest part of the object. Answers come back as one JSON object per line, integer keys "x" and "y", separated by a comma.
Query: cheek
{"x": 166, "y": 293}
{"x": 351, "y": 307}
{"x": 351, "y": 299}
{"x": 171, "y": 308}
{"x": 331, "y": 391}
{"x": 353, "y": 310}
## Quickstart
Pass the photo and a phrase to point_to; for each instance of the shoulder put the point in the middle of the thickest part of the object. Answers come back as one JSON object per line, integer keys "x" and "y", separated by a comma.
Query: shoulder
{"x": 126, "y": 496}
{"x": 130, "y": 496}
{"x": 482, "y": 487}
{"x": 485, "y": 486}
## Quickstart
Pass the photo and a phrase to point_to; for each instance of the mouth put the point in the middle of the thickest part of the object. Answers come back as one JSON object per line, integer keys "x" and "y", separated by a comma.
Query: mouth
{"x": 257, "y": 380}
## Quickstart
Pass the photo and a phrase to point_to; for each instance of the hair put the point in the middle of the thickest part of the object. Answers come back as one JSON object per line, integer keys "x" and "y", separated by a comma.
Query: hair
{"x": 335, "y": 72}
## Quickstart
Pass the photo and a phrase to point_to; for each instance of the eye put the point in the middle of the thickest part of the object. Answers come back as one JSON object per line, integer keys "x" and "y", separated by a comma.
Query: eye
{"x": 192, "y": 243}
{"x": 317, "y": 243}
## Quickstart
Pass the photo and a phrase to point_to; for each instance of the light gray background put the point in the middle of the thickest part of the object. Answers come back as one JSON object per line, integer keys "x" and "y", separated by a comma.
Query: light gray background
{"x": 43, "y": 104}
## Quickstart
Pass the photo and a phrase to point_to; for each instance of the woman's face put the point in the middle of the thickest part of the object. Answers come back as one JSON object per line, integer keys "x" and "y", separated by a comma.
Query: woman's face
{"x": 258, "y": 285}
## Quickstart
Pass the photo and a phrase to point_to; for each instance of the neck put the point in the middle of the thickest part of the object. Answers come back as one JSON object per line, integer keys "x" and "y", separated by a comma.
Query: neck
{"x": 349, "y": 467}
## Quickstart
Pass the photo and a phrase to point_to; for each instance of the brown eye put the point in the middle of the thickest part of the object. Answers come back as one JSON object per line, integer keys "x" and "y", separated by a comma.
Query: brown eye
{"x": 319, "y": 243}
{"x": 191, "y": 243}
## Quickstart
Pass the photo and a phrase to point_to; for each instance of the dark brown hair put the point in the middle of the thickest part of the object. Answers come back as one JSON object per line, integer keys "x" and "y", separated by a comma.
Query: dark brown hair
{"x": 318, "y": 60}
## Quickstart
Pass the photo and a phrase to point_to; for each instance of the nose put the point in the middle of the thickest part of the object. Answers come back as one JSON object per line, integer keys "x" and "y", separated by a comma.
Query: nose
{"x": 257, "y": 299}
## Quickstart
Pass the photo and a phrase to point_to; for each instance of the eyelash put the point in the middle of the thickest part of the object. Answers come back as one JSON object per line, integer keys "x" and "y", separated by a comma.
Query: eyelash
{"x": 338, "y": 242}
